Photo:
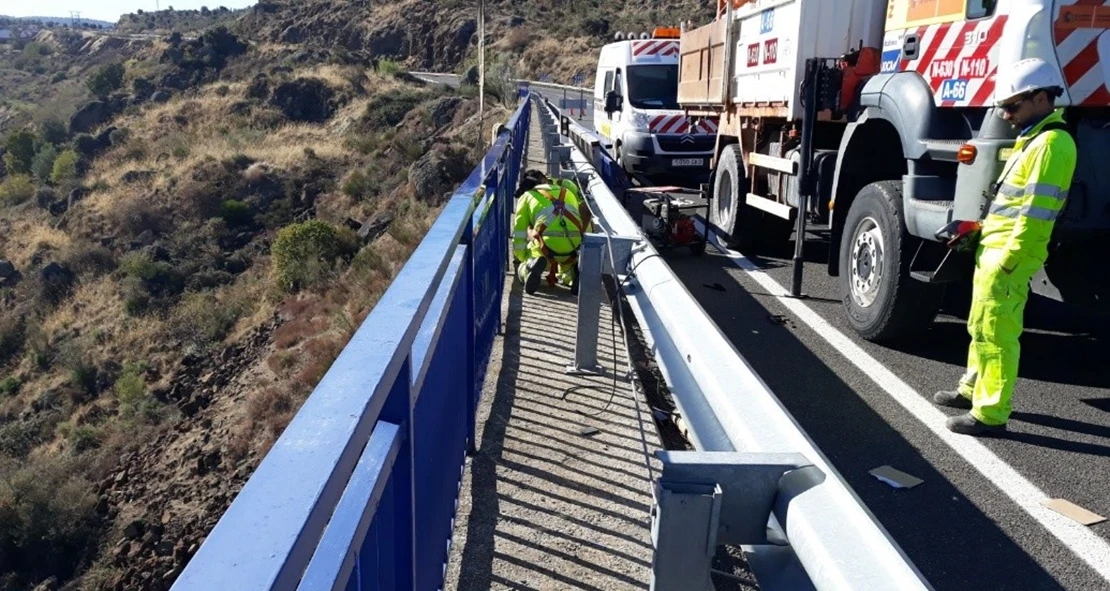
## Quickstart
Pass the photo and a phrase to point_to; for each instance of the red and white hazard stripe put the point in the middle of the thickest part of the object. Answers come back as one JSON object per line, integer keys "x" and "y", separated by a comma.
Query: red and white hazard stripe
{"x": 944, "y": 55}
{"x": 1084, "y": 53}
{"x": 680, "y": 124}
{"x": 656, "y": 47}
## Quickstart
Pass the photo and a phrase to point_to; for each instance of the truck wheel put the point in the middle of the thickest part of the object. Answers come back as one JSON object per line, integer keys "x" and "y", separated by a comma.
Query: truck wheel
{"x": 882, "y": 301}
{"x": 730, "y": 189}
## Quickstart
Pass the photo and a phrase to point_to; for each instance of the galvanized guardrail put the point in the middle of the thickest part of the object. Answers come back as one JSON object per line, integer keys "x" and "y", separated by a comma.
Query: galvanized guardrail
{"x": 360, "y": 490}
{"x": 757, "y": 479}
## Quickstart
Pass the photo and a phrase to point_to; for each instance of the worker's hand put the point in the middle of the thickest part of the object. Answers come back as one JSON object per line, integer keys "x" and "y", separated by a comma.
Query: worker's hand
{"x": 531, "y": 234}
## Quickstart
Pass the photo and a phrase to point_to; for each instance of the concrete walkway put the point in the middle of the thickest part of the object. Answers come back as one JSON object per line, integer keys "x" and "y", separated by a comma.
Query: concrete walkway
{"x": 559, "y": 493}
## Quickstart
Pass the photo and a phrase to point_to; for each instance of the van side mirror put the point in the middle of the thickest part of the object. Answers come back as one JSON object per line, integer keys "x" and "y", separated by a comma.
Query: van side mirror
{"x": 612, "y": 102}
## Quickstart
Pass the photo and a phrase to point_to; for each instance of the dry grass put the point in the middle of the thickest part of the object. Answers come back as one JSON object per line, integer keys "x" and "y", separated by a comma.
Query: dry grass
{"x": 29, "y": 235}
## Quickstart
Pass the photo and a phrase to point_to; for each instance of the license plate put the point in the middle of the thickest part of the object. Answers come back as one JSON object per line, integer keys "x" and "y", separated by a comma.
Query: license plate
{"x": 689, "y": 161}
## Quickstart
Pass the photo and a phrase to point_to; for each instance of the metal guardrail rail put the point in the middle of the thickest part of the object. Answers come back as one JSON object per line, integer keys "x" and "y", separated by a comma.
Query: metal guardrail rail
{"x": 816, "y": 532}
{"x": 360, "y": 490}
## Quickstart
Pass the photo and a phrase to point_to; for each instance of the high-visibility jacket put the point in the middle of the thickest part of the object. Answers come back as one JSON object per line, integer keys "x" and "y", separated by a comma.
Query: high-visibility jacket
{"x": 554, "y": 213}
{"x": 1031, "y": 195}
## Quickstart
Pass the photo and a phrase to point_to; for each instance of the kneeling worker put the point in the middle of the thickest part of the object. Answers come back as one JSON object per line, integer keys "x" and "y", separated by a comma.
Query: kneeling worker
{"x": 548, "y": 225}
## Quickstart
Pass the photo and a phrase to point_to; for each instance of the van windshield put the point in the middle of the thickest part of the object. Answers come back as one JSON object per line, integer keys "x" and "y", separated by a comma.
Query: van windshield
{"x": 653, "y": 87}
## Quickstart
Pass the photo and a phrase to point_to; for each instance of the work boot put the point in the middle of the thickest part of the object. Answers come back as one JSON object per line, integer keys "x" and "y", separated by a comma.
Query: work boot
{"x": 952, "y": 398}
{"x": 536, "y": 267}
{"x": 967, "y": 424}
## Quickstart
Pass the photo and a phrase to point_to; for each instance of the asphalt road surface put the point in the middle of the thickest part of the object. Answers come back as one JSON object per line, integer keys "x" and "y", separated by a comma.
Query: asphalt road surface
{"x": 976, "y": 522}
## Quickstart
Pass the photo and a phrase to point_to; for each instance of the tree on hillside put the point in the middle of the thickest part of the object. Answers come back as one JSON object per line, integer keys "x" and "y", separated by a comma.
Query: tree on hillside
{"x": 20, "y": 152}
{"x": 54, "y": 131}
{"x": 65, "y": 168}
{"x": 107, "y": 79}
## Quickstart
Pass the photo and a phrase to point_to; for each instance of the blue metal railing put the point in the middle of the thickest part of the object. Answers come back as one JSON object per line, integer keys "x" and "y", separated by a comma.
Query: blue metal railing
{"x": 360, "y": 490}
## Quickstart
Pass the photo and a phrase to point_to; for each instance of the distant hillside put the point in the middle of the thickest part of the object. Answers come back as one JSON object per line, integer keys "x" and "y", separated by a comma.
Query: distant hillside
{"x": 528, "y": 37}
{"x": 66, "y": 20}
{"x": 167, "y": 21}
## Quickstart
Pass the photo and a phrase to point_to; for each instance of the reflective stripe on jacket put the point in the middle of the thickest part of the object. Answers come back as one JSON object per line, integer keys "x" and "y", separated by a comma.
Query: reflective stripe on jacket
{"x": 1031, "y": 197}
{"x": 553, "y": 211}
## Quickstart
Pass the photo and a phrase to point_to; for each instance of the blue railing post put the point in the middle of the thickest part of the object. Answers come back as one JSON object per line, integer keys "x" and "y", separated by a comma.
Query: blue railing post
{"x": 398, "y": 410}
{"x": 474, "y": 389}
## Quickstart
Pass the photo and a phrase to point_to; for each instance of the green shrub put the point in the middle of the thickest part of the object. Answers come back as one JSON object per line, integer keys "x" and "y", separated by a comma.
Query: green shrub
{"x": 85, "y": 145}
{"x": 387, "y": 110}
{"x": 20, "y": 154}
{"x": 10, "y": 386}
{"x": 47, "y": 522}
{"x": 130, "y": 390}
{"x": 202, "y": 318}
{"x": 107, "y": 79}
{"x": 43, "y": 164}
{"x": 65, "y": 168}
{"x": 303, "y": 253}
{"x": 235, "y": 213}
{"x": 389, "y": 67}
{"x": 54, "y": 131}
{"x": 16, "y": 189}
{"x": 359, "y": 185}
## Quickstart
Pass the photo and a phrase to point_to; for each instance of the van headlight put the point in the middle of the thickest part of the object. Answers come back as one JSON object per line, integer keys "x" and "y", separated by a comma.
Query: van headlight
{"x": 639, "y": 121}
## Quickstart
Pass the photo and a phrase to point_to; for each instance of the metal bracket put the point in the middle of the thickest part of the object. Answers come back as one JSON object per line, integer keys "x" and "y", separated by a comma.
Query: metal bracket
{"x": 705, "y": 499}
{"x": 593, "y": 262}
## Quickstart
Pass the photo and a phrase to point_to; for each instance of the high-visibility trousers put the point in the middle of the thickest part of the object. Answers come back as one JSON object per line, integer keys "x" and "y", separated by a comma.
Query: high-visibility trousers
{"x": 995, "y": 322}
{"x": 566, "y": 265}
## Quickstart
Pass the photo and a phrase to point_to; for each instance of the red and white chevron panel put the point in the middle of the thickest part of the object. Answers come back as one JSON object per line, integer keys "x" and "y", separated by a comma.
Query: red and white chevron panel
{"x": 1083, "y": 46}
{"x": 958, "y": 60}
{"x": 655, "y": 47}
{"x": 679, "y": 124}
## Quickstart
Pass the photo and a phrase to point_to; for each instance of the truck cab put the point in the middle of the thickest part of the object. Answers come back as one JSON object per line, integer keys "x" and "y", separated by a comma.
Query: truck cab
{"x": 636, "y": 87}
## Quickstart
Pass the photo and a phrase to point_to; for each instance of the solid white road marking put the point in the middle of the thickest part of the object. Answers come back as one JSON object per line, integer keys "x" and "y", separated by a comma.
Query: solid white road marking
{"x": 1088, "y": 546}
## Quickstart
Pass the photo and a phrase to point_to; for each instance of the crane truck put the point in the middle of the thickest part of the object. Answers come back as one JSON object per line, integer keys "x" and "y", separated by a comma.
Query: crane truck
{"x": 875, "y": 120}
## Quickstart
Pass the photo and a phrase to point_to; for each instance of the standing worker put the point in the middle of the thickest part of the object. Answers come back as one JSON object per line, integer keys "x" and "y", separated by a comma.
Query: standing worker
{"x": 547, "y": 230}
{"x": 1013, "y": 244}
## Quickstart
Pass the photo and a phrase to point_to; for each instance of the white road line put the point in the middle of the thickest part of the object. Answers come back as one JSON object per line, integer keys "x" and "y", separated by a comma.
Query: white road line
{"x": 1088, "y": 546}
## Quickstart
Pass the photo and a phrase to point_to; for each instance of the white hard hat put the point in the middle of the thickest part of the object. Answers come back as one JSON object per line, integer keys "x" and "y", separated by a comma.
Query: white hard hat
{"x": 1025, "y": 76}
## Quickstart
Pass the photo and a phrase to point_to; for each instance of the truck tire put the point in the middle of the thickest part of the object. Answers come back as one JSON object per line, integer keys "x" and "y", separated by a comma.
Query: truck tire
{"x": 730, "y": 188}
{"x": 745, "y": 227}
{"x": 882, "y": 301}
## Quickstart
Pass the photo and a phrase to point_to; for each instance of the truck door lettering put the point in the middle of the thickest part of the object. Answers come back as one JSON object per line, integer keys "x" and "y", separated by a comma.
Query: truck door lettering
{"x": 770, "y": 51}
{"x": 753, "y": 55}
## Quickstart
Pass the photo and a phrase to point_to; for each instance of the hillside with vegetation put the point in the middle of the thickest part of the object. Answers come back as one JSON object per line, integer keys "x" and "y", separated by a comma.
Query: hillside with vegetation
{"x": 525, "y": 38}
{"x": 169, "y": 21}
{"x": 191, "y": 228}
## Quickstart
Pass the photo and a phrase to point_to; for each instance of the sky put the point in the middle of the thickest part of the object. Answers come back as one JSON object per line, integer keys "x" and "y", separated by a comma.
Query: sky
{"x": 106, "y": 10}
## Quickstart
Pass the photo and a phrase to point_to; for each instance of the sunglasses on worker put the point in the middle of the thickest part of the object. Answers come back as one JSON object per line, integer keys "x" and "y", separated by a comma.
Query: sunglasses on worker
{"x": 1012, "y": 107}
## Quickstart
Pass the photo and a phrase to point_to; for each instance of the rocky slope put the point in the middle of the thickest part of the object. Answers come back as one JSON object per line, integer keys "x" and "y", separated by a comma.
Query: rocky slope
{"x": 530, "y": 37}
{"x": 181, "y": 259}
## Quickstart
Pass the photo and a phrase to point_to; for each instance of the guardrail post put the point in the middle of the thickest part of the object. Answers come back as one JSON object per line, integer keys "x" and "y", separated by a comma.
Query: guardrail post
{"x": 704, "y": 499}
{"x": 590, "y": 257}
{"x": 593, "y": 261}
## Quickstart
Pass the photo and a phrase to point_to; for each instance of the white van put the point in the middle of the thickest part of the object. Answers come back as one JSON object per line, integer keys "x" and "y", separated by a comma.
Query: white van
{"x": 636, "y": 110}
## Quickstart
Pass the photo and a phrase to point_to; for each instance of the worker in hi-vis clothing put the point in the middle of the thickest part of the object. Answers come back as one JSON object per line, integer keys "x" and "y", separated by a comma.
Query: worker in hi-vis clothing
{"x": 548, "y": 225}
{"x": 1013, "y": 243}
